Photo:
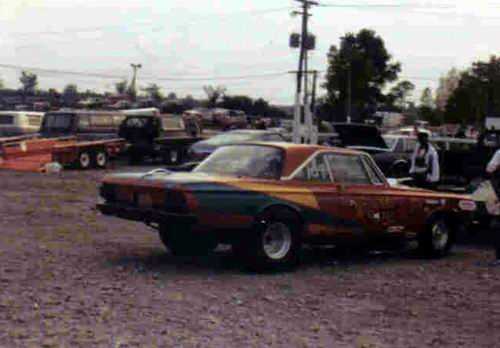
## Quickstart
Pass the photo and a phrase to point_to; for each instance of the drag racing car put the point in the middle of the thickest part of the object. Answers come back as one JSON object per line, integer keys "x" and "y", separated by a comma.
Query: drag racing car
{"x": 269, "y": 199}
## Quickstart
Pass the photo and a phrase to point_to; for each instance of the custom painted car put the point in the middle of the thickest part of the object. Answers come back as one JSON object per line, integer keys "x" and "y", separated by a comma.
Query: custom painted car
{"x": 268, "y": 199}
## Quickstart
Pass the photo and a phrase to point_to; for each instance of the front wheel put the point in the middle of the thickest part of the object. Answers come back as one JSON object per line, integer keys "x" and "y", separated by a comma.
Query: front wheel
{"x": 437, "y": 240}
{"x": 84, "y": 160}
{"x": 274, "y": 244}
{"x": 182, "y": 242}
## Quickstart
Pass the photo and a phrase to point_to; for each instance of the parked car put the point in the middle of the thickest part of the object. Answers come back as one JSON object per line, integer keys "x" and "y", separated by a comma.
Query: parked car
{"x": 268, "y": 199}
{"x": 85, "y": 125}
{"x": 389, "y": 152}
{"x": 146, "y": 137}
{"x": 13, "y": 123}
{"x": 200, "y": 150}
{"x": 229, "y": 119}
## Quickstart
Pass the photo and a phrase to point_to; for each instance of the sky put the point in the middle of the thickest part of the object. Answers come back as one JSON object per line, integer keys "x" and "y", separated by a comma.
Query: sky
{"x": 184, "y": 45}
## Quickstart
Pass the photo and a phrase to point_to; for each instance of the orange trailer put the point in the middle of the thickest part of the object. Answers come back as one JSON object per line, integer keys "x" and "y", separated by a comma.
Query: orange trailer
{"x": 35, "y": 154}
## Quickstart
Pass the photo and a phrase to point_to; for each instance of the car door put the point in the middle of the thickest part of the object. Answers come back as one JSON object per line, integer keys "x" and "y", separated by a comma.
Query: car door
{"x": 332, "y": 217}
{"x": 360, "y": 193}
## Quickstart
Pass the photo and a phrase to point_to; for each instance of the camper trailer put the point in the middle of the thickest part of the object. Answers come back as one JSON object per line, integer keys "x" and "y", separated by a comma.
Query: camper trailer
{"x": 14, "y": 123}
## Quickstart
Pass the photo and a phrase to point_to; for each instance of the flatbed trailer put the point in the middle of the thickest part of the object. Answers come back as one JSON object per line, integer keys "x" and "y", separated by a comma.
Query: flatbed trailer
{"x": 35, "y": 154}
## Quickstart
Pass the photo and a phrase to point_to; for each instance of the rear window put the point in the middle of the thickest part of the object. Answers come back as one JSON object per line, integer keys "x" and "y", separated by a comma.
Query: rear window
{"x": 6, "y": 119}
{"x": 256, "y": 161}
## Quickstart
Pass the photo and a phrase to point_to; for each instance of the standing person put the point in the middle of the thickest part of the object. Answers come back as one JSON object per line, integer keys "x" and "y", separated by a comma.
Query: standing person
{"x": 425, "y": 163}
{"x": 493, "y": 170}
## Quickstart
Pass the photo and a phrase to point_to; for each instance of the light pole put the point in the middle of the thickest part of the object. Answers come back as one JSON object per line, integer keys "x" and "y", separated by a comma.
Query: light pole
{"x": 133, "y": 91}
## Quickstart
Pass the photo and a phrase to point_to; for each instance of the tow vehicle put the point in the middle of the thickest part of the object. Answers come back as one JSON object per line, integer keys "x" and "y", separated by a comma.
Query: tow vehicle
{"x": 79, "y": 139}
{"x": 268, "y": 199}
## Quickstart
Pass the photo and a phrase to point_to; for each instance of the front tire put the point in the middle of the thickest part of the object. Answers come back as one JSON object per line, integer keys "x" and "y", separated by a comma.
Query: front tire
{"x": 436, "y": 241}
{"x": 274, "y": 243}
{"x": 182, "y": 242}
{"x": 84, "y": 160}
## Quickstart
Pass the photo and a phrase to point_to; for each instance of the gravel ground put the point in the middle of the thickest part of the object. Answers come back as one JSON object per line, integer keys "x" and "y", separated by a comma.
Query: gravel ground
{"x": 72, "y": 278}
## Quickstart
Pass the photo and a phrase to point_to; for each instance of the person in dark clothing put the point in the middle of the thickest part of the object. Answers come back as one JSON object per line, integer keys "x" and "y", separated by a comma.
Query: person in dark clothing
{"x": 493, "y": 170}
{"x": 425, "y": 163}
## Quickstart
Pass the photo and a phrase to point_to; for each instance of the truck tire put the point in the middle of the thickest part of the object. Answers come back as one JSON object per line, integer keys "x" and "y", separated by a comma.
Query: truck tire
{"x": 100, "y": 159}
{"x": 437, "y": 239}
{"x": 182, "y": 242}
{"x": 84, "y": 160}
{"x": 274, "y": 244}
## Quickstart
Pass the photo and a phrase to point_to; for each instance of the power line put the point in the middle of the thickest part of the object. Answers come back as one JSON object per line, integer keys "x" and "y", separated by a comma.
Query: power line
{"x": 114, "y": 77}
{"x": 154, "y": 25}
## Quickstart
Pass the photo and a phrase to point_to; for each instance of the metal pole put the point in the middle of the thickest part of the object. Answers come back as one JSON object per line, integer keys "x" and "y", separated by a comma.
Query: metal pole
{"x": 348, "y": 108}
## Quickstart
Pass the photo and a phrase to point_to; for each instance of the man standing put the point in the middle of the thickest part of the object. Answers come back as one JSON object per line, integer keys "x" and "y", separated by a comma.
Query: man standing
{"x": 493, "y": 169}
{"x": 425, "y": 163}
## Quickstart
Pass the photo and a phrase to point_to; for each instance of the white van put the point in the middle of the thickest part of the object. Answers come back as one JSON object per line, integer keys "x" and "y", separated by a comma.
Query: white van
{"x": 20, "y": 122}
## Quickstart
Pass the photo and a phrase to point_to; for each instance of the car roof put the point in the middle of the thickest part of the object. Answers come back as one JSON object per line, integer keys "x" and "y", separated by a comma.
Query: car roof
{"x": 297, "y": 154}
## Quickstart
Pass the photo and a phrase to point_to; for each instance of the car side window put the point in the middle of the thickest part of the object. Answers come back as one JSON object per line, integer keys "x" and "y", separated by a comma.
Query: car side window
{"x": 348, "y": 169}
{"x": 315, "y": 171}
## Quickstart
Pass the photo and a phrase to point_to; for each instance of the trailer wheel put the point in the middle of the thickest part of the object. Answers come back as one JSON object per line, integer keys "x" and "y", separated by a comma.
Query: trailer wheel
{"x": 84, "y": 160}
{"x": 100, "y": 159}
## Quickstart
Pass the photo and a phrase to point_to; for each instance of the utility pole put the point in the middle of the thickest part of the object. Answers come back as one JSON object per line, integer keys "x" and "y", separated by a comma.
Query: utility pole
{"x": 307, "y": 42}
{"x": 133, "y": 91}
{"x": 349, "y": 93}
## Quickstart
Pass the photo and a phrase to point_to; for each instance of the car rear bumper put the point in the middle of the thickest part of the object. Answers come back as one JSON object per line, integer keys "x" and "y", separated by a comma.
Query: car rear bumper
{"x": 144, "y": 215}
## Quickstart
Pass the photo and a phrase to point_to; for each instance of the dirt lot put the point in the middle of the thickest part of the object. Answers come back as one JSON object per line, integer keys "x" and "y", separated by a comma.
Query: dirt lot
{"x": 69, "y": 278}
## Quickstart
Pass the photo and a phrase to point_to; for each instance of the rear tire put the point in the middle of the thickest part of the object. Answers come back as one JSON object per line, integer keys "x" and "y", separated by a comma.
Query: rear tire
{"x": 182, "y": 242}
{"x": 101, "y": 159}
{"x": 84, "y": 160}
{"x": 274, "y": 244}
{"x": 437, "y": 239}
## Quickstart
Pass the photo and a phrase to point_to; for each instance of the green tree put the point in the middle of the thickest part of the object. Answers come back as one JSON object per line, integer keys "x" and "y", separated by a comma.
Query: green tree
{"x": 214, "y": 93}
{"x": 363, "y": 60}
{"x": 172, "y": 96}
{"x": 29, "y": 82}
{"x": 70, "y": 95}
{"x": 477, "y": 94}
{"x": 399, "y": 94}
{"x": 426, "y": 98}
{"x": 153, "y": 91}
{"x": 121, "y": 87}
{"x": 237, "y": 102}
{"x": 447, "y": 85}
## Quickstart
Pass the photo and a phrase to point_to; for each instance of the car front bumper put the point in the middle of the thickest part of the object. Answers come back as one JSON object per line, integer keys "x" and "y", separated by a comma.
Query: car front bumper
{"x": 144, "y": 214}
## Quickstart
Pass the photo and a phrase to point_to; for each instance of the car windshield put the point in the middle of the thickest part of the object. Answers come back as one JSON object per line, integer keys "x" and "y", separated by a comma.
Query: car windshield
{"x": 256, "y": 161}
{"x": 231, "y": 138}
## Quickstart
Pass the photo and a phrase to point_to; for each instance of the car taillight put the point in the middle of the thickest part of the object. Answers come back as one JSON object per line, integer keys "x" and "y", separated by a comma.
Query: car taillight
{"x": 176, "y": 202}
